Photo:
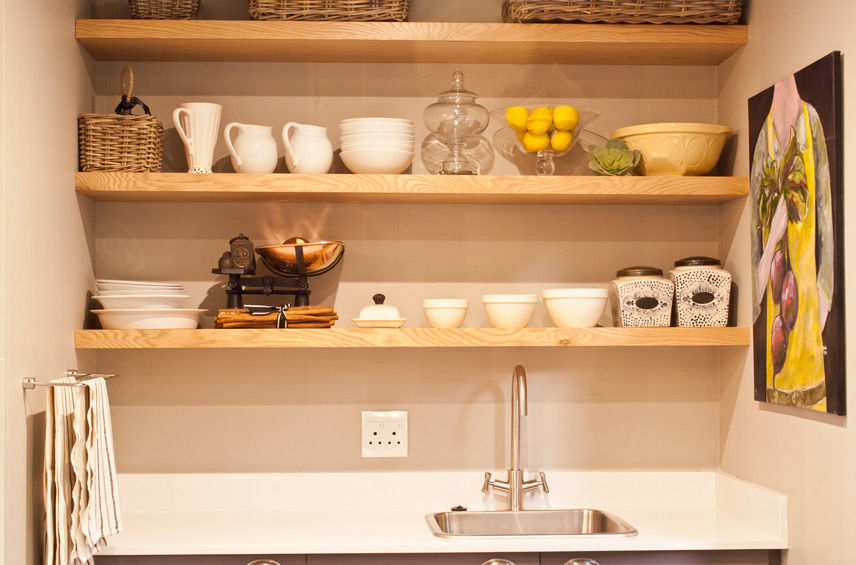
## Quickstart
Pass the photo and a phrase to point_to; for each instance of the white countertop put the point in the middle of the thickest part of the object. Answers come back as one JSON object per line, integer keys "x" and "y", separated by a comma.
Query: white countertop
{"x": 385, "y": 513}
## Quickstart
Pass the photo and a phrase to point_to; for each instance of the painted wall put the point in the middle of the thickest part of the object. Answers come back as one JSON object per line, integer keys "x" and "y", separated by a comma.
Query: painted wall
{"x": 47, "y": 260}
{"x": 811, "y": 457}
{"x": 180, "y": 411}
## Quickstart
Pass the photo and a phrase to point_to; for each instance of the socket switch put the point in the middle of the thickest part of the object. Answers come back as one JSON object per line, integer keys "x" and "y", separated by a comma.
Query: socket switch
{"x": 384, "y": 434}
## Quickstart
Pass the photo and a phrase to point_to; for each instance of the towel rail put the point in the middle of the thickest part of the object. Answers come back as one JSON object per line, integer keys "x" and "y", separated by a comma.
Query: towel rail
{"x": 29, "y": 383}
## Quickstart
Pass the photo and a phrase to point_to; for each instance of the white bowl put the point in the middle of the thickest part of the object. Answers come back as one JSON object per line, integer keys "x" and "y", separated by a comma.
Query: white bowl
{"x": 134, "y": 283}
{"x": 511, "y": 311}
{"x": 142, "y": 301}
{"x": 377, "y": 137}
{"x": 391, "y": 146}
{"x": 147, "y": 291}
{"x": 445, "y": 312}
{"x": 394, "y": 323}
{"x": 575, "y": 307}
{"x": 377, "y": 162}
{"x": 376, "y": 128}
{"x": 173, "y": 318}
{"x": 376, "y": 120}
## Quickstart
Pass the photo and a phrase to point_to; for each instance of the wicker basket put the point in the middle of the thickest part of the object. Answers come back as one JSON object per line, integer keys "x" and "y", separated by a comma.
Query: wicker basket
{"x": 115, "y": 142}
{"x": 330, "y": 10}
{"x": 164, "y": 9}
{"x": 624, "y": 11}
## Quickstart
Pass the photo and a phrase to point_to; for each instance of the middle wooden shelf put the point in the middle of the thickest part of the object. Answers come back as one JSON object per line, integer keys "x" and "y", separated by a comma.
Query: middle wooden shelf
{"x": 409, "y": 337}
{"x": 476, "y": 189}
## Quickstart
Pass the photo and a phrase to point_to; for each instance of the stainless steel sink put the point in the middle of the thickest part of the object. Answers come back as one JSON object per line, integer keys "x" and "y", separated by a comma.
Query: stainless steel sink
{"x": 575, "y": 522}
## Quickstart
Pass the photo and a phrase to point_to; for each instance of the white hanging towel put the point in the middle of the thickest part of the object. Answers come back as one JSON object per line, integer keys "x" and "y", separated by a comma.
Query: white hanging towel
{"x": 81, "y": 495}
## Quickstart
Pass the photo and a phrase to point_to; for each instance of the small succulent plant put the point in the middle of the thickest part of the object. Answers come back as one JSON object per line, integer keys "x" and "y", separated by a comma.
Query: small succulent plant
{"x": 614, "y": 159}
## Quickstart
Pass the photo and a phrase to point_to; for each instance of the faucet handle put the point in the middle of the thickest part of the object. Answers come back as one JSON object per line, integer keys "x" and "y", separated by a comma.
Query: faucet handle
{"x": 540, "y": 482}
{"x": 487, "y": 482}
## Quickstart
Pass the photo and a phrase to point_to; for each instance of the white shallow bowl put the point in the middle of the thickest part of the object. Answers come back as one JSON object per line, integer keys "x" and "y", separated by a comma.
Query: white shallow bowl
{"x": 146, "y": 291}
{"x": 137, "y": 287}
{"x": 376, "y": 120}
{"x": 575, "y": 307}
{"x": 165, "y": 319}
{"x": 376, "y": 128}
{"x": 394, "y": 323}
{"x": 377, "y": 162}
{"x": 134, "y": 283}
{"x": 509, "y": 311}
{"x": 142, "y": 301}
{"x": 377, "y": 137}
{"x": 391, "y": 146}
{"x": 445, "y": 312}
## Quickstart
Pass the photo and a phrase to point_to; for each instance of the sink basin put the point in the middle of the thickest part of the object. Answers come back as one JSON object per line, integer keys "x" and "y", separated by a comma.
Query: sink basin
{"x": 575, "y": 522}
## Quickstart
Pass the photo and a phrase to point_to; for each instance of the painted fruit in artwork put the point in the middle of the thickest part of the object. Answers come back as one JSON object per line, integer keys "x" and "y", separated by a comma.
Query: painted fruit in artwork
{"x": 790, "y": 300}
{"x": 778, "y": 344}
{"x": 777, "y": 274}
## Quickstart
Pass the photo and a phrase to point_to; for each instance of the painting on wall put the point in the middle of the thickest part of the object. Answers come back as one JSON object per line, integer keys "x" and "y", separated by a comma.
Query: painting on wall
{"x": 795, "y": 144}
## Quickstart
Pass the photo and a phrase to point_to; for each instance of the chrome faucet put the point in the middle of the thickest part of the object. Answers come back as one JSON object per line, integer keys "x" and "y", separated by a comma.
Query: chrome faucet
{"x": 514, "y": 485}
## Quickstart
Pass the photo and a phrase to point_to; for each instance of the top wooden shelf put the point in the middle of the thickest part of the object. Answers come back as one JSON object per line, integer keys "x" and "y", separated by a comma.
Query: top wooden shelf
{"x": 439, "y": 42}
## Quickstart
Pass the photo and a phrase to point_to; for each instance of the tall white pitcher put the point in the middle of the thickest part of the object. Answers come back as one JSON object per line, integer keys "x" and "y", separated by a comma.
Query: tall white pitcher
{"x": 308, "y": 150}
{"x": 198, "y": 124}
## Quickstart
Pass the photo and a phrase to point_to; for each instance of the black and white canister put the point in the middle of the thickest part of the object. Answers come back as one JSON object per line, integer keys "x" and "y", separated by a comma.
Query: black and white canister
{"x": 640, "y": 297}
{"x": 702, "y": 292}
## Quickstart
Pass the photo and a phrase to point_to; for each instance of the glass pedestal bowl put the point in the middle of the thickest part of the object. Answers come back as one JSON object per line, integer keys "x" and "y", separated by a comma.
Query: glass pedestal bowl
{"x": 508, "y": 145}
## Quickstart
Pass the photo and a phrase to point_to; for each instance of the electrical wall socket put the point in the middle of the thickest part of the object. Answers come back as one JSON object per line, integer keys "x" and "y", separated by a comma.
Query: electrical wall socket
{"x": 384, "y": 434}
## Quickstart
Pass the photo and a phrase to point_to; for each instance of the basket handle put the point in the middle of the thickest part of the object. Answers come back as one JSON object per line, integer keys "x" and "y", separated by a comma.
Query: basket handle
{"x": 129, "y": 101}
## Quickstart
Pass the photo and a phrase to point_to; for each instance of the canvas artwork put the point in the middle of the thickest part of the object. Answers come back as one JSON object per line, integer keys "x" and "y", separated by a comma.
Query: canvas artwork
{"x": 797, "y": 239}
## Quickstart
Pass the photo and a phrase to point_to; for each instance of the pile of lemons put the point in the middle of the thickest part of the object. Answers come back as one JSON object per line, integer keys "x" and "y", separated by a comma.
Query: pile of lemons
{"x": 543, "y": 128}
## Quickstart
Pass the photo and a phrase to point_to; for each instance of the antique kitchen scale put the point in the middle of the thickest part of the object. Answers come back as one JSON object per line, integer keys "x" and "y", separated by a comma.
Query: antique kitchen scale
{"x": 292, "y": 263}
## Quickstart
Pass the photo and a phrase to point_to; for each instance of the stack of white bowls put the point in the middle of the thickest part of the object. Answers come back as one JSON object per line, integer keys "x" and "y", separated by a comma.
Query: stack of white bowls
{"x": 377, "y": 145}
{"x": 138, "y": 305}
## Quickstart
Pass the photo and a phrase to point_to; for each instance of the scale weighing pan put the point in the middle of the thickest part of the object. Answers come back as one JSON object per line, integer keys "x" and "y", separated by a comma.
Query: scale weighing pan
{"x": 318, "y": 256}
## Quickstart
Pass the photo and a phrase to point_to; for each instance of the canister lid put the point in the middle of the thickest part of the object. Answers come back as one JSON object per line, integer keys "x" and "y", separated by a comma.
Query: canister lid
{"x": 640, "y": 272}
{"x": 698, "y": 261}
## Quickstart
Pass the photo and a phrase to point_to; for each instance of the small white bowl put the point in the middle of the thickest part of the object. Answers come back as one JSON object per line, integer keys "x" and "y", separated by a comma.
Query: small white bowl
{"x": 377, "y": 138}
{"x": 509, "y": 311}
{"x": 376, "y": 128}
{"x": 377, "y": 162}
{"x": 144, "y": 301}
{"x": 173, "y": 318}
{"x": 445, "y": 312}
{"x": 575, "y": 307}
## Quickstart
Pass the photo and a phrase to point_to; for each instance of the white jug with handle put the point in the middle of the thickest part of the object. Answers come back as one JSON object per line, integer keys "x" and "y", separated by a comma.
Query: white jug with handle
{"x": 308, "y": 150}
{"x": 254, "y": 150}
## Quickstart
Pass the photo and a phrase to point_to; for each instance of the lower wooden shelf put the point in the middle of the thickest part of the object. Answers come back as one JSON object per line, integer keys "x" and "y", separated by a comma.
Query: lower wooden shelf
{"x": 409, "y": 337}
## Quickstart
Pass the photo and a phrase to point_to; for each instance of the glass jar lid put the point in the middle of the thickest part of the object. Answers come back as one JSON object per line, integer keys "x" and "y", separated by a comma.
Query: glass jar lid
{"x": 698, "y": 261}
{"x": 640, "y": 272}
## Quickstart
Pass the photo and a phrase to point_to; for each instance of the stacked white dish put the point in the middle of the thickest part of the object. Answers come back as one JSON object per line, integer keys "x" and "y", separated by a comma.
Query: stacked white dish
{"x": 137, "y": 305}
{"x": 377, "y": 145}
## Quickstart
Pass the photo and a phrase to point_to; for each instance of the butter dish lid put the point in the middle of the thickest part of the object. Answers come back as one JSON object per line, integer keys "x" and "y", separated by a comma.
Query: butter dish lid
{"x": 379, "y": 310}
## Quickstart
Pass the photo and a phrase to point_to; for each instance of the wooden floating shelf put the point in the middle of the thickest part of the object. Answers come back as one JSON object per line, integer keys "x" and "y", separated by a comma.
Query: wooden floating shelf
{"x": 440, "y": 42}
{"x": 482, "y": 189}
{"x": 409, "y": 337}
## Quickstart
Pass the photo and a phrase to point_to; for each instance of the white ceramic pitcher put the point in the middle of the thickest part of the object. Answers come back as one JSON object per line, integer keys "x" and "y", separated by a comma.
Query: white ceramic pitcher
{"x": 198, "y": 124}
{"x": 254, "y": 150}
{"x": 308, "y": 150}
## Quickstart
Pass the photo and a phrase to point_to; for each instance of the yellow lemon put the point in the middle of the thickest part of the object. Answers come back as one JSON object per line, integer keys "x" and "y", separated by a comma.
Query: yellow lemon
{"x": 538, "y": 126}
{"x": 516, "y": 117}
{"x": 566, "y": 118}
{"x": 561, "y": 140}
{"x": 533, "y": 142}
{"x": 521, "y": 135}
{"x": 543, "y": 113}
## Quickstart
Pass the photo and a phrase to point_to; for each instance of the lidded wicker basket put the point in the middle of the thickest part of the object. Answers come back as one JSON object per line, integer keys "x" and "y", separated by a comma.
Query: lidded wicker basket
{"x": 330, "y": 10}
{"x": 121, "y": 141}
{"x": 164, "y": 9}
{"x": 624, "y": 11}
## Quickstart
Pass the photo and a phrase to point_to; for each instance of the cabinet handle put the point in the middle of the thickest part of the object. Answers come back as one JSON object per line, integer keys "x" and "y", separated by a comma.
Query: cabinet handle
{"x": 582, "y": 561}
{"x": 263, "y": 562}
{"x": 497, "y": 561}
